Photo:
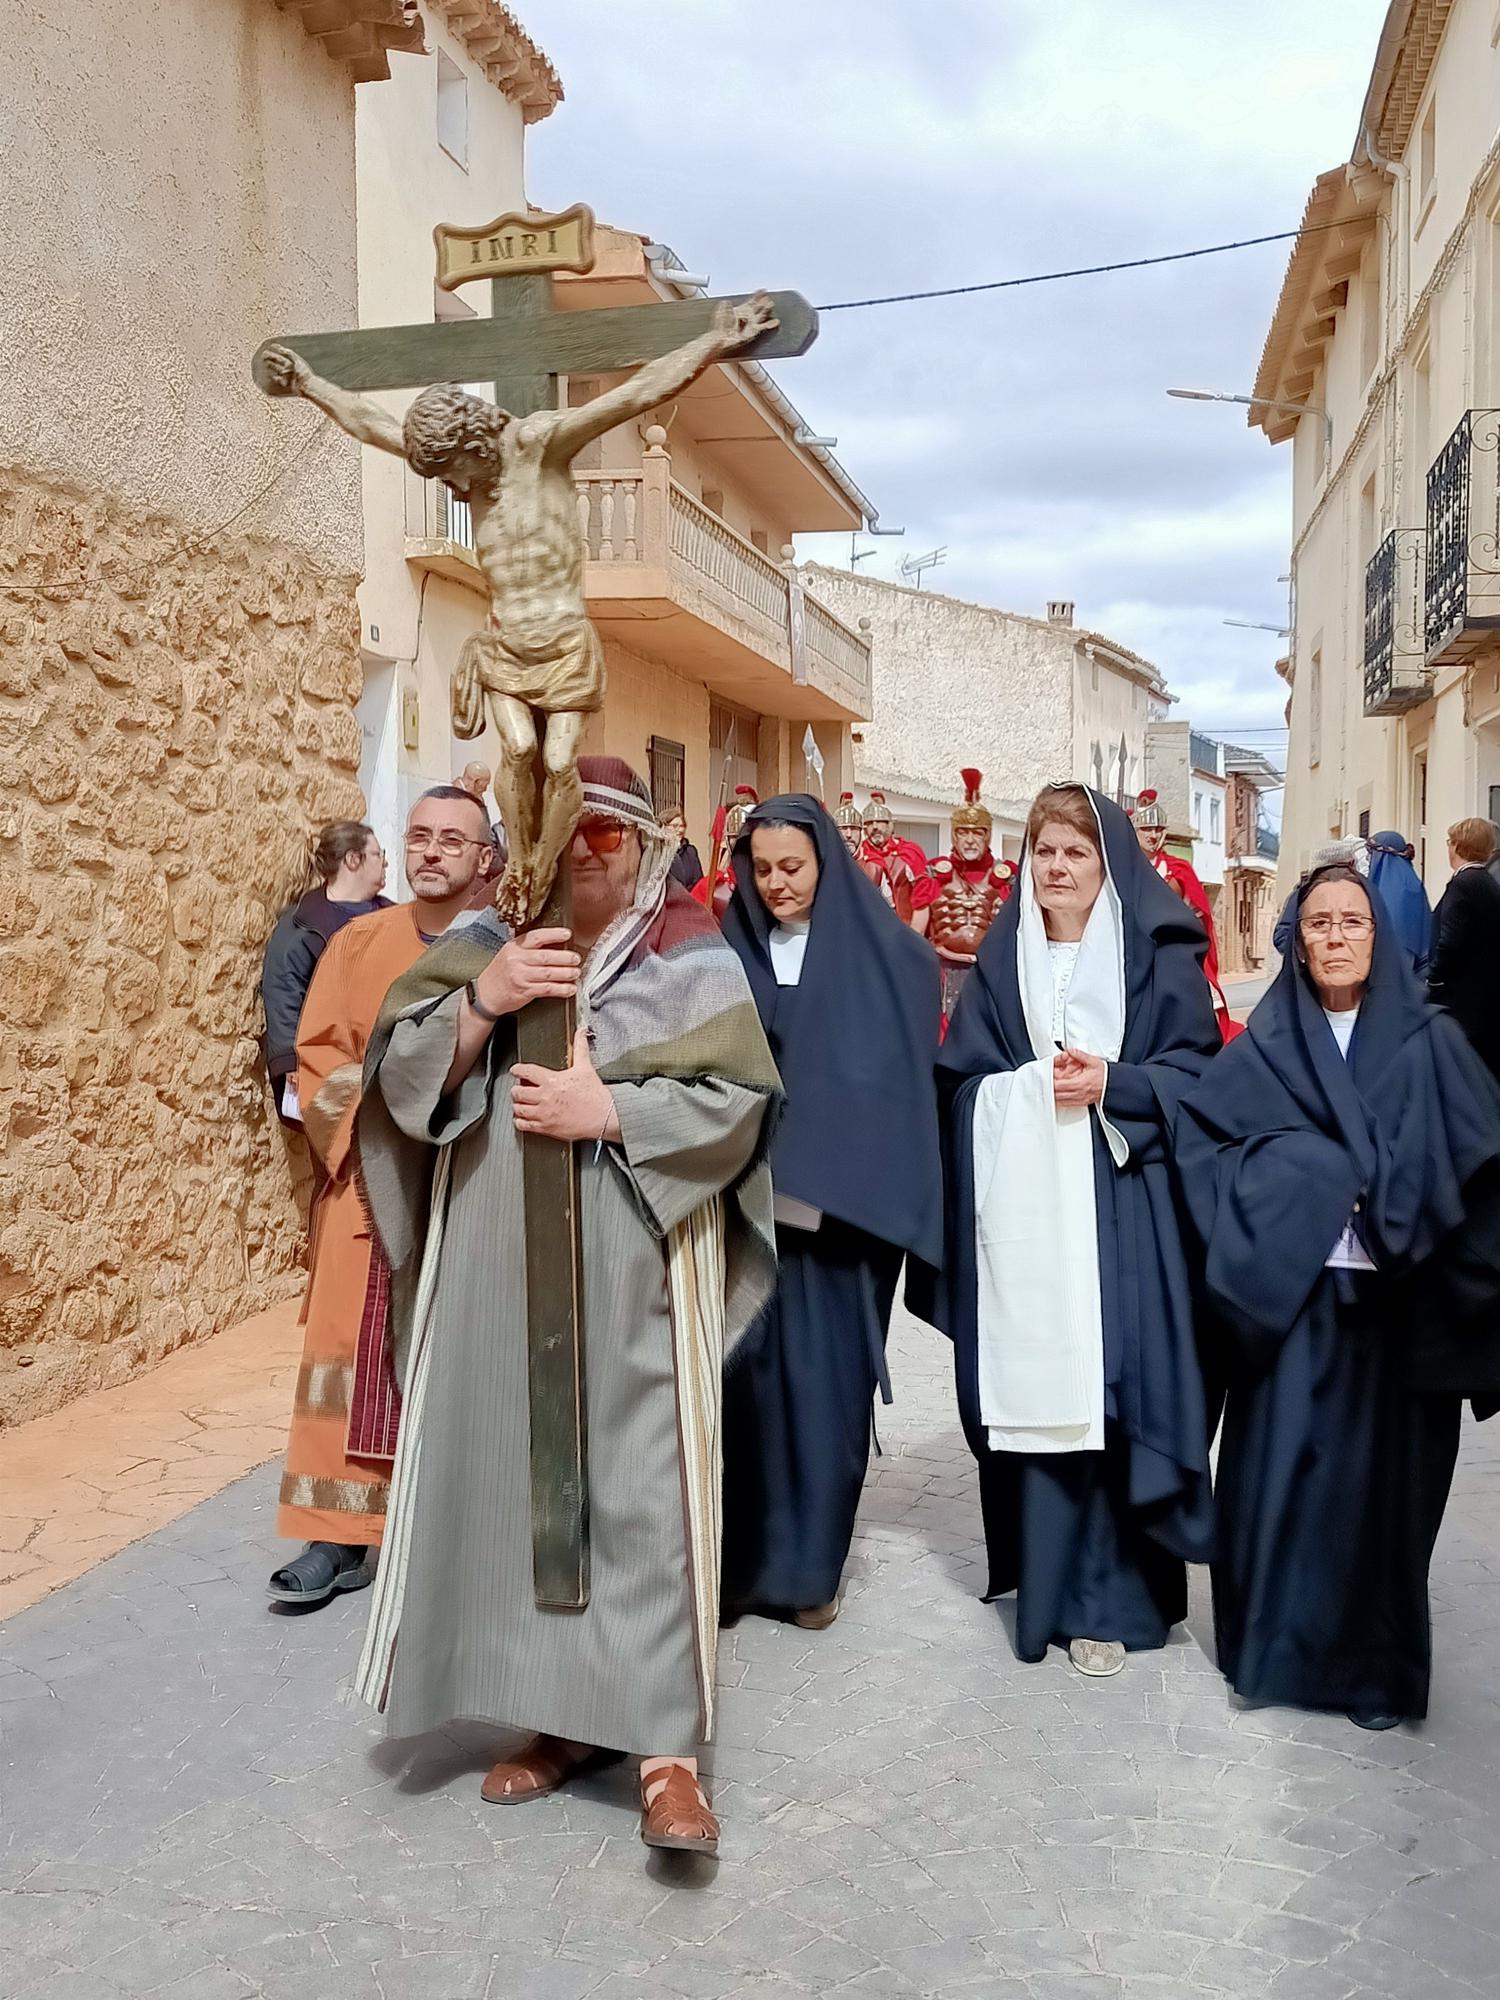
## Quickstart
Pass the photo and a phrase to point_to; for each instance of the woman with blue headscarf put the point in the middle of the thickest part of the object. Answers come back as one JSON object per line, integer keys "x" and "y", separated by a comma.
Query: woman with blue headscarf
{"x": 1341, "y": 1162}
{"x": 1399, "y": 887}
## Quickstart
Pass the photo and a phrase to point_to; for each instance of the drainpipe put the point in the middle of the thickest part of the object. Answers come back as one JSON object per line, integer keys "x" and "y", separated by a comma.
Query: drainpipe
{"x": 1396, "y": 306}
{"x": 1400, "y": 175}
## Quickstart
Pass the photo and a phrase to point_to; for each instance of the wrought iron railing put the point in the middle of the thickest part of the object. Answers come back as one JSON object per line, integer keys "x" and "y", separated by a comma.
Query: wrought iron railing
{"x": 1396, "y": 675}
{"x": 1463, "y": 538}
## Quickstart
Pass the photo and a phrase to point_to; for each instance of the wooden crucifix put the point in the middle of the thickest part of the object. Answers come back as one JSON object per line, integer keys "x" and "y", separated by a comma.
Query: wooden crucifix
{"x": 537, "y": 666}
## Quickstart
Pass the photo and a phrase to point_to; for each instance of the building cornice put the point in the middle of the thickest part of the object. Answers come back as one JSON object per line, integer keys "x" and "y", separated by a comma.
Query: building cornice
{"x": 1339, "y": 215}
{"x": 494, "y": 39}
{"x": 1409, "y": 41}
{"x": 361, "y": 34}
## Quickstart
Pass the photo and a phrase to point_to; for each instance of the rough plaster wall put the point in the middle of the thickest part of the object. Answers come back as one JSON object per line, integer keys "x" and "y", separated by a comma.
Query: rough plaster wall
{"x": 956, "y": 683}
{"x": 173, "y": 721}
{"x": 179, "y": 184}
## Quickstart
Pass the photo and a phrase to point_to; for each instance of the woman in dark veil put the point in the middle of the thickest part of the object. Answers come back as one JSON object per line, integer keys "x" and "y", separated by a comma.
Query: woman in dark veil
{"x": 1065, "y": 1287}
{"x": 849, "y": 998}
{"x": 1342, "y": 1166}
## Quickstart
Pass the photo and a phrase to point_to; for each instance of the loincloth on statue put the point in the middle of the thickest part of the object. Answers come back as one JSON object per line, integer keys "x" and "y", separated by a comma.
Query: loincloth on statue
{"x": 568, "y": 681}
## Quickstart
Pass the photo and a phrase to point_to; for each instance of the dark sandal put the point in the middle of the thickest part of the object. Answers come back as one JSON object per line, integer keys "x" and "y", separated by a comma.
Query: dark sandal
{"x": 322, "y": 1570}
{"x": 546, "y": 1763}
{"x": 679, "y": 1816}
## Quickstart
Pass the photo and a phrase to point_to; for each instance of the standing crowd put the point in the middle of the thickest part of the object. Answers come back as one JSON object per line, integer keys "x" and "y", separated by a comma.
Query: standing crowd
{"x": 799, "y": 1071}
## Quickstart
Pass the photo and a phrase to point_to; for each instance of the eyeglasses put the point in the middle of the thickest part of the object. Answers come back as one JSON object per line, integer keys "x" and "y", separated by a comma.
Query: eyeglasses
{"x": 447, "y": 842}
{"x": 600, "y": 838}
{"x": 1353, "y": 928}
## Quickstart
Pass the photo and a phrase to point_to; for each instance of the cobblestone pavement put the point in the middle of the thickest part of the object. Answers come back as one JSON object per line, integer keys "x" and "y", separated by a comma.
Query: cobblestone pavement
{"x": 192, "y": 1810}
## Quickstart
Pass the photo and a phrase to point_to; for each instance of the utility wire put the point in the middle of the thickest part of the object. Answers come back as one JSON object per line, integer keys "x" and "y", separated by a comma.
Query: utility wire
{"x": 1083, "y": 271}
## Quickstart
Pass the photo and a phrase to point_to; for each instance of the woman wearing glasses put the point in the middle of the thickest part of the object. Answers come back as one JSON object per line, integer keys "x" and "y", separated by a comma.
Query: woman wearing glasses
{"x": 1342, "y": 1164}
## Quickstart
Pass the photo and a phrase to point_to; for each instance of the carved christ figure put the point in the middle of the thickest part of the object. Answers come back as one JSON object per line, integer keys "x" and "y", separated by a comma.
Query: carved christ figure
{"x": 538, "y": 664}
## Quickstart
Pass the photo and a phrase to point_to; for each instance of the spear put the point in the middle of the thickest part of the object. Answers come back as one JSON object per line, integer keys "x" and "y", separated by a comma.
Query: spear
{"x": 721, "y": 809}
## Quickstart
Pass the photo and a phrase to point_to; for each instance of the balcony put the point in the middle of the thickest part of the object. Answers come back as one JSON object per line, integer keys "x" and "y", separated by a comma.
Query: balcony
{"x": 1397, "y": 676}
{"x": 666, "y": 577}
{"x": 1463, "y": 541}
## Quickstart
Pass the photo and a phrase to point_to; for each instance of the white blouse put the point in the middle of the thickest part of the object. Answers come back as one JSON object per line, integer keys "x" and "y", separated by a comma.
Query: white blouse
{"x": 1348, "y": 1254}
{"x": 1064, "y": 957}
{"x": 788, "y": 944}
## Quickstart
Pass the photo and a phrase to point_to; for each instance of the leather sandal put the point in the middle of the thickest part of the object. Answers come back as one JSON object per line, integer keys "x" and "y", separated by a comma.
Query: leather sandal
{"x": 537, "y": 1768}
{"x": 321, "y": 1571}
{"x": 675, "y": 1813}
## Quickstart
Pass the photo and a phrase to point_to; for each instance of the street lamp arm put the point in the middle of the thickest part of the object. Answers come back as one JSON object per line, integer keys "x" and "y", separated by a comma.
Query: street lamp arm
{"x": 1258, "y": 403}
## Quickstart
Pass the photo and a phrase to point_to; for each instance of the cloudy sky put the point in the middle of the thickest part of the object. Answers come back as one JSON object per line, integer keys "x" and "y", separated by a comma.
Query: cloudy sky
{"x": 851, "y": 147}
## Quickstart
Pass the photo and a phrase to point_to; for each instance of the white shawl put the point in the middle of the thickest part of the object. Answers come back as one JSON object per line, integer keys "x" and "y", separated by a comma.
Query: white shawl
{"x": 1041, "y": 1330}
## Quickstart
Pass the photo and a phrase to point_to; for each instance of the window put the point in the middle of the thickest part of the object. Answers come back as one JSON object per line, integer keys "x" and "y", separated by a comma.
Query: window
{"x": 761, "y": 540}
{"x": 1198, "y": 814}
{"x": 1315, "y": 707}
{"x": 453, "y": 110}
{"x": 713, "y": 500}
{"x": 1427, "y": 157}
{"x": 733, "y": 735}
{"x": 1364, "y": 824}
{"x": 1215, "y": 821}
{"x": 666, "y": 762}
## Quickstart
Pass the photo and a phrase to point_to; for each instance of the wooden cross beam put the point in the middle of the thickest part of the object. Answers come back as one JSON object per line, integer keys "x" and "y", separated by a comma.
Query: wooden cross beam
{"x": 526, "y": 338}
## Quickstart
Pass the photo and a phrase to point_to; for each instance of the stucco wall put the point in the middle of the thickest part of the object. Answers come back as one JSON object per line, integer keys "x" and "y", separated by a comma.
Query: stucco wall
{"x": 178, "y": 668}
{"x": 956, "y": 683}
{"x": 179, "y": 184}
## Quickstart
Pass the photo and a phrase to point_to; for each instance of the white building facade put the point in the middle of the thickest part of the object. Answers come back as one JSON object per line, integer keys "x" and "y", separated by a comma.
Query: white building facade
{"x": 1026, "y": 700}
{"x": 442, "y": 141}
{"x": 1387, "y": 331}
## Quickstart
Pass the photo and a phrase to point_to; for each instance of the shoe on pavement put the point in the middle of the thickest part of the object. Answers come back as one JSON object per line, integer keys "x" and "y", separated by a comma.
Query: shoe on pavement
{"x": 1369, "y": 1718}
{"x": 817, "y": 1617}
{"x": 1097, "y": 1658}
{"x": 321, "y": 1571}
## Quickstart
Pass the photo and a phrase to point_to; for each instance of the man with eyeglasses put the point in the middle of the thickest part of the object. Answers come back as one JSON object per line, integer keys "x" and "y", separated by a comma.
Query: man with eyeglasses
{"x": 344, "y": 1417}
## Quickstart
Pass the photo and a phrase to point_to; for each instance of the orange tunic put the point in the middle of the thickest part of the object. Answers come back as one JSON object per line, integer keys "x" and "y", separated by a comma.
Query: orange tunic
{"x": 328, "y": 1495}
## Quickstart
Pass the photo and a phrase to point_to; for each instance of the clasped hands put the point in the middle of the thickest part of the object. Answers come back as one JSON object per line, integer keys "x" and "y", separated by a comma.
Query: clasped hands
{"x": 1078, "y": 1079}
{"x": 568, "y": 1104}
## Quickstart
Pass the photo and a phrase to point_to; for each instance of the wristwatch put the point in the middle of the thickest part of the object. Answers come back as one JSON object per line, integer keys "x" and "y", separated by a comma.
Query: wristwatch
{"x": 484, "y": 1013}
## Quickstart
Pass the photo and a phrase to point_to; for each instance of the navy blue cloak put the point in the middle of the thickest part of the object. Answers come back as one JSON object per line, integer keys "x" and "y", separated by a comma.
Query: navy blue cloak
{"x": 1094, "y": 1542}
{"x": 858, "y": 1140}
{"x": 1344, "y": 1388}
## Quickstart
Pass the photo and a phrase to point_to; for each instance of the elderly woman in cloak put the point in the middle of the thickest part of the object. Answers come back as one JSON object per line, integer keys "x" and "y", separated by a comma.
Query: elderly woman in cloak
{"x": 1066, "y": 1288}
{"x": 1342, "y": 1164}
{"x": 668, "y": 1095}
{"x": 849, "y": 998}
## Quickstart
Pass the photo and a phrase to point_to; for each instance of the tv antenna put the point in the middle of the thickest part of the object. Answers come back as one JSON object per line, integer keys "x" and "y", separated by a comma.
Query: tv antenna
{"x": 912, "y": 567}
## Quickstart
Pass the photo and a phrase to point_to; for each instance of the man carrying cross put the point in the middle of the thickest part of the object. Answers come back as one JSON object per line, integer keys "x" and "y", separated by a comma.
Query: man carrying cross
{"x": 538, "y": 659}
{"x": 670, "y": 1088}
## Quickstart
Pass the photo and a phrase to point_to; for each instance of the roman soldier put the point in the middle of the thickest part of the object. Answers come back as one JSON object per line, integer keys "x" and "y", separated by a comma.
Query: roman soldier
{"x": 850, "y": 823}
{"x": 972, "y": 888}
{"x": 896, "y": 867}
{"x": 717, "y": 886}
{"x": 1150, "y": 818}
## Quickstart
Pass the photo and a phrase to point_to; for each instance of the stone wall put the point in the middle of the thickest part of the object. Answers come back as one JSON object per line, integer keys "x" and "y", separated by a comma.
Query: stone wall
{"x": 176, "y": 715}
{"x": 956, "y": 683}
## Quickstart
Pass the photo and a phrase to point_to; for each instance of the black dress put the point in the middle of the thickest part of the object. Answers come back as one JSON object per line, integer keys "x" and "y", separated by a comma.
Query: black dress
{"x": 854, "y": 1041}
{"x": 1344, "y": 1387}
